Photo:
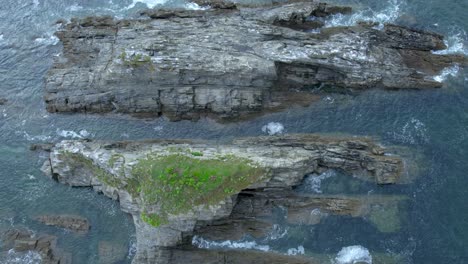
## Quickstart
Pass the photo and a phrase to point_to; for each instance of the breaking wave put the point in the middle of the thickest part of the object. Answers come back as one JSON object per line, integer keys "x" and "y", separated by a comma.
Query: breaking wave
{"x": 148, "y": 3}
{"x": 455, "y": 42}
{"x": 296, "y": 251}
{"x": 449, "y": 71}
{"x": 155, "y": 3}
{"x": 387, "y": 15}
{"x": 72, "y": 134}
{"x": 49, "y": 40}
{"x": 13, "y": 257}
{"x": 273, "y": 128}
{"x": 353, "y": 254}
{"x": 203, "y": 243}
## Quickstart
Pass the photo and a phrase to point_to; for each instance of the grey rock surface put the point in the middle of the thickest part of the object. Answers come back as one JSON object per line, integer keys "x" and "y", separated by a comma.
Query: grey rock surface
{"x": 22, "y": 240}
{"x": 287, "y": 159}
{"x": 72, "y": 222}
{"x": 231, "y": 61}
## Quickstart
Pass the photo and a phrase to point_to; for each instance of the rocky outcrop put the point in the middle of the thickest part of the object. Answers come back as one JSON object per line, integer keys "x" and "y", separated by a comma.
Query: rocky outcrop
{"x": 72, "y": 222}
{"x": 269, "y": 168}
{"x": 21, "y": 240}
{"x": 231, "y": 61}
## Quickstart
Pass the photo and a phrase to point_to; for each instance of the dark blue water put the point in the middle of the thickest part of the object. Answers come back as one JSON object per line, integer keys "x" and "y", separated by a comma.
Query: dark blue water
{"x": 432, "y": 123}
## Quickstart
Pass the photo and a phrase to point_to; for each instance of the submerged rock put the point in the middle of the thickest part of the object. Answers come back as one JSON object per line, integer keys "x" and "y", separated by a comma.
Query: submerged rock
{"x": 231, "y": 61}
{"x": 176, "y": 189}
{"x": 71, "y": 222}
{"x": 111, "y": 252}
{"x": 21, "y": 240}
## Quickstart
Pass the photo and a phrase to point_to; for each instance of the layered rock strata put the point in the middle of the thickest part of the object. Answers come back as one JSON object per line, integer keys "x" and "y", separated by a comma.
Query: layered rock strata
{"x": 279, "y": 163}
{"x": 72, "y": 222}
{"x": 231, "y": 61}
{"x": 21, "y": 240}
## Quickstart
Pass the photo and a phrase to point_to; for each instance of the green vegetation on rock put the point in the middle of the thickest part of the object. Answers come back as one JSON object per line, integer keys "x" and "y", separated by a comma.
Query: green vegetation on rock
{"x": 136, "y": 60}
{"x": 153, "y": 219}
{"x": 176, "y": 183}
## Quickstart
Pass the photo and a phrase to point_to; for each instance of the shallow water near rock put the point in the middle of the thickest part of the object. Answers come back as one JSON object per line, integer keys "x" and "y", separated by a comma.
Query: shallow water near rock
{"x": 432, "y": 122}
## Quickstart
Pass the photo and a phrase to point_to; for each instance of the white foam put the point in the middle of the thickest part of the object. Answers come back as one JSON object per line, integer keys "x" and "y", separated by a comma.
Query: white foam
{"x": 313, "y": 182}
{"x": 273, "y": 128}
{"x": 414, "y": 131}
{"x": 13, "y": 257}
{"x": 296, "y": 251}
{"x": 148, "y": 3}
{"x": 449, "y": 71}
{"x": 74, "y": 8}
{"x": 36, "y": 138}
{"x": 203, "y": 243}
{"x": 72, "y": 134}
{"x": 455, "y": 43}
{"x": 132, "y": 249}
{"x": 47, "y": 40}
{"x": 195, "y": 6}
{"x": 387, "y": 15}
{"x": 276, "y": 233}
{"x": 353, "y": 254}
{"x": 155, "y": 3}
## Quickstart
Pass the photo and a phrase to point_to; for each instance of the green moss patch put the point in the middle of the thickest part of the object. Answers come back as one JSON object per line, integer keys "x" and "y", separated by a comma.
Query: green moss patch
{"x": 136, "y": 60}
{"x": 177, "y": 183}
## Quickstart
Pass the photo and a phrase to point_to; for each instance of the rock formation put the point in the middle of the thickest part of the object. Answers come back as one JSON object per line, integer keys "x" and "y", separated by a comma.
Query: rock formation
{"x": 21, "y": 240}
{"x": 231, "y": 61}
{"x": 75, "y": 223}
{"x": 264, "y": 171}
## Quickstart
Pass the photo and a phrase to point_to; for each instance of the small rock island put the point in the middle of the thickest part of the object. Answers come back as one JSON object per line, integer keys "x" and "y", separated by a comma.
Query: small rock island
{"x": 232, "y": 61}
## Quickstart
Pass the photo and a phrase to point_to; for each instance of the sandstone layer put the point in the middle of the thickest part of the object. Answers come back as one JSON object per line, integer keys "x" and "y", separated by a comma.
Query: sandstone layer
{"x": 109, "y": 167}
{"x": 231, "y": 61}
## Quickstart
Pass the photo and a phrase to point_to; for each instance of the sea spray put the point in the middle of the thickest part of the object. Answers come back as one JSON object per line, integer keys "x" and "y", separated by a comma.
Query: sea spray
{"x": 455, "y": 43}
{"x": 13, "y": 257}
{"x": 387, "y": 15}
{"x": 446, "y": 72}
{"x": 273, "y": 128}
{"x": 296, "y": 251}
{"x": 203, "y": 243}
{"x": 353, "y": 254}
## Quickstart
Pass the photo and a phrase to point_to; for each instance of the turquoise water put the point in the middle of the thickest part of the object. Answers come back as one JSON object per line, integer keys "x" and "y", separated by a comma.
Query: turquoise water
{"x": 433, "y": 123}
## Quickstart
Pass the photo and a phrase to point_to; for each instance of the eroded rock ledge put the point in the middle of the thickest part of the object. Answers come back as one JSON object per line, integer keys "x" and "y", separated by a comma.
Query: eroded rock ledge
{"x": 269, "y": 168}
{"x": 231, "y": 61}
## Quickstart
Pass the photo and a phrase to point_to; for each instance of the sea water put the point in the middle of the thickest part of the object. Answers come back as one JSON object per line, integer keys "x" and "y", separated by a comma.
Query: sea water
{"x": 432, "y": 122}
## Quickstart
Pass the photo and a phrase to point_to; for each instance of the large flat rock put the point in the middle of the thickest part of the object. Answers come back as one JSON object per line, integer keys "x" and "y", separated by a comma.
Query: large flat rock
{"x": 231, "y": 61}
